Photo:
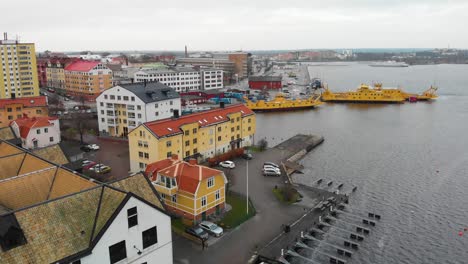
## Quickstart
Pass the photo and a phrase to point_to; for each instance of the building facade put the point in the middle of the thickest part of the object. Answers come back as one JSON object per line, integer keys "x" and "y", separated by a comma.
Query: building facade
{"x": 211, "y": 79}
{"x": 18, "y": 73}
{"x": 200, "y": 135}
{"x": 265, "y": 82}
{"x": 240, "y": 60}
{"x": 122, "y": 108}
{"x": 41, "y": 71}
{"x": 11, "y": 109}
{"x": 55, "y": 73}
{"x": 189, "y": 190}
{"x": 87, "y": 78}
{"x": 37, "y": 132}
{"x": 224, "y": 64}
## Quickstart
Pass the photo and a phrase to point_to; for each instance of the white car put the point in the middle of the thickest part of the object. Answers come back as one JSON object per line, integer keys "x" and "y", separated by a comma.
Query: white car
{"x": 93, "y": 146}
{"x": 85, "y": 162}
{"x": 268, "y": 167}
{"x": 212, "y": 228}
{"x": 227, "y": 164}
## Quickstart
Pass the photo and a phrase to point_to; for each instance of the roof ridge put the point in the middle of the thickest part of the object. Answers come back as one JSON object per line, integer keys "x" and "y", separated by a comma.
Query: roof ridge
{"x": 97, "y": 215}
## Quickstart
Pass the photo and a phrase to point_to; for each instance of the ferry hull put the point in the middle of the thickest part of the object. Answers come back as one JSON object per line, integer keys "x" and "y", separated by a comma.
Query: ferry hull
{"x": 282, "y": 109}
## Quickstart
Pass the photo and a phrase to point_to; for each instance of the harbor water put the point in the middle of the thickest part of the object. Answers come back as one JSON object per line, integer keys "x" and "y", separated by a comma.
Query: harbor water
{"x": 409, "y": 161}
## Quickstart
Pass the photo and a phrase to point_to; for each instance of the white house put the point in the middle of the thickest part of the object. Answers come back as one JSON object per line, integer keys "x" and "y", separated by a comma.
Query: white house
{"x": 37, "y": 132}
{"x": 122, "y": 108}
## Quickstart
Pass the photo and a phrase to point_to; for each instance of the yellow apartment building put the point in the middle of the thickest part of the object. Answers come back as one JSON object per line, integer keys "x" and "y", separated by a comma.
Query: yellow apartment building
{"x": 200, "y": 135}
{"x": 11, "y": 109}
{"x": 18, "y": 70}
{"x": 87, "y": 78}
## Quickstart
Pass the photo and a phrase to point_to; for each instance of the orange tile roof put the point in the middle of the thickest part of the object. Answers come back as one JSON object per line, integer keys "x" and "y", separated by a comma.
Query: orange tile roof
{"x": 170, "y": 126}
{"x": 188, "y": 176}
{"x": 34, "y": 101}
{"x": 82, "y": 66}
{"x": 25, "y": 124}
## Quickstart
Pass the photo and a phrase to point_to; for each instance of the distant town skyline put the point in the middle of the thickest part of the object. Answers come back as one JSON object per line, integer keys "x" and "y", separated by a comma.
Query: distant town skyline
{"x": 240, "y": 25}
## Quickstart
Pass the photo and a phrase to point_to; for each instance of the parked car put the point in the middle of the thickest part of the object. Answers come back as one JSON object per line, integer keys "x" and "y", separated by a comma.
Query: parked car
{"x": 247, "y": 156}
{"x": 197, "y": 232}
{"x": 271, "y": 172}
{"x": 85, "y": 148}
{"x": 268, "y": 167}
{"x": 212, "y": 228}
{"x": 94, "y": 146}
{"x": 227, "y": 164}
{"x": 85, "y": 162}
{"x": 271, "y": 164}
{"x": 89, "y": 165}
{"x": 100, "y": 168}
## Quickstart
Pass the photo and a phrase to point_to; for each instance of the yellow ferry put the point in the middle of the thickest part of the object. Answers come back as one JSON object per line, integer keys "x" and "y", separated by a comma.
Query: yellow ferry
{"x": 365, "y": 94}
{"x": 429, "y": 94}
{"x": 281, "y": 103}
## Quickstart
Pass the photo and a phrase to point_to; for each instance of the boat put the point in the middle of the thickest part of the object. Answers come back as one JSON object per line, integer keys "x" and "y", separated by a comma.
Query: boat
{"x": 389, "y": 64}
{"x": 281, "y": 103}
{"x": 429, "y": 94}
{"x": 366, "y": 94}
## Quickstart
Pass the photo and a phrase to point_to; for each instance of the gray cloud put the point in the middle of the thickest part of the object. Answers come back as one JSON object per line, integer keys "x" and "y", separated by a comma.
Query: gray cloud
{"x": 222, "y": 25}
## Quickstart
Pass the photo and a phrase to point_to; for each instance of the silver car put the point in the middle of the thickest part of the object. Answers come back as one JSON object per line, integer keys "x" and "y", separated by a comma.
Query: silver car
{"x": 212, "y": 228}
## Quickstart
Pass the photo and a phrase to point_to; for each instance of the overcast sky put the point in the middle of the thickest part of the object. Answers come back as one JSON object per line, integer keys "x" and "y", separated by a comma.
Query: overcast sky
{"x": 59, "y": 25}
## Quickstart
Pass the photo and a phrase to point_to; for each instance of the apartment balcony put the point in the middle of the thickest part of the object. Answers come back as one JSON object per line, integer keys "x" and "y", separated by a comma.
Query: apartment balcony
{"x": 162, "y": 188}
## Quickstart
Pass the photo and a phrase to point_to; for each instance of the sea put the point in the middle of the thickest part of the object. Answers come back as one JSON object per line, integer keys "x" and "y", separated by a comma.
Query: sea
{"x": 409, "y": 162}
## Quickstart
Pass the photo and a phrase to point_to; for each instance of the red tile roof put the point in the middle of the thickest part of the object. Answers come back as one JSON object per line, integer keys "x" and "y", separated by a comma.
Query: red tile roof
{"x": 169, "y": 126}
{"x": 35, "y": 101}
{"x": 25, "y": 124}
{"x": 188, "y": 176}
{"x": 82, "y": 66}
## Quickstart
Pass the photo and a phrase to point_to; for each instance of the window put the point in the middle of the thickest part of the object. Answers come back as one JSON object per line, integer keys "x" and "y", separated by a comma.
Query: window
{"x": 155, "y": 105}
{"x": 187, "y": 153}
{"x": 203, "y": 201}
{"x": 248, "y": 120}
{"x": 117, "y": 252}
{"x": 18, "y": 108}
{"x": 119, "y": 97}
{"x": 125, "y": 98}
{"x": 10, "y": 117}
{"x": 249, "y": 129}
{"x": 187, "y": 143}
{"x": 145, "y": 144}
{"x": 133, "y": 98}
{"x": 9, "y": 109}
{"x": 171, "y": 103}
{"x": 195, "y": 150}
{"x": 194, "y": 131}
{"x": 168, "y": 143}
{"x": 112, "y": 97}
{"x": 138, "y": 107}
{"x": 238, "y": 119}
{"x": 211, "y": 141}
{"x": 210, "y": 182}
{"x": 174, "y": 198}
{"x": 142, "y": 165}
{"x": 163, "y": 196}
{"x": 217, "y": 195}
{"x": 46, "y": 130}
{"x": 150, "y": 237}
{"x": 156, "y": 113}
{"x": 238, "y": 127}
{"x": 51, "y": 139}
{"x": 187, "y": 132}
{"x": 146, "y": 155}
{"x": 38, "y": 131}
{"x": 140, "y": 154}
{"x": 169, "y": 154}
{"x": 219, "y": 129}
{"x": 132, "y": 216}
{"x": 219, "y": 138}
{"x": 140, "y": 143}
{"x": 194, "y": 141}
{"x": 105, "y": 96}
{"x": 38, "y": 112}
{"x": 232, "y": 129}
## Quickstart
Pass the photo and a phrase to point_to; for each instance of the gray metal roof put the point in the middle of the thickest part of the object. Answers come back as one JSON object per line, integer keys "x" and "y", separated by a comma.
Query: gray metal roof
{"x": 152, "y": 91}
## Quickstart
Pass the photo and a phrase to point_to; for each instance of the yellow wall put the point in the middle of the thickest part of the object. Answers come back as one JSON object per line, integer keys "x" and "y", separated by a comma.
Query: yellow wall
{"x": 78, "y": 83}
{"x": 191, "y": 204}
{"x": 27, "y": 70}
{"x": 55, "y": 77}
{"x": 157, "y": 148}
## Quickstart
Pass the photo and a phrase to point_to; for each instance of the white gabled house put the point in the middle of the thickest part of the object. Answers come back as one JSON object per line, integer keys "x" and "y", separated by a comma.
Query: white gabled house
{"x": 37, "y": 132}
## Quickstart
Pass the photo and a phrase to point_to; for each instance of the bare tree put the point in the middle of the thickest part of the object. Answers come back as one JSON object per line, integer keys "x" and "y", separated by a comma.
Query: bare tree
{"x": 80, "y": 122}
{"x": 55, "y": 104}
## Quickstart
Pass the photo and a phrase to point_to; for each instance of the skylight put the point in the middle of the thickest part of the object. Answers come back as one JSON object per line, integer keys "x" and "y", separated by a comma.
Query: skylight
{"x": 170, "y": 129}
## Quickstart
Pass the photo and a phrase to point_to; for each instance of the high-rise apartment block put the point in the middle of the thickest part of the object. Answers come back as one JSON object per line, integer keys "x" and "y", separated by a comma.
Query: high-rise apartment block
{"x": 18, "y": 72}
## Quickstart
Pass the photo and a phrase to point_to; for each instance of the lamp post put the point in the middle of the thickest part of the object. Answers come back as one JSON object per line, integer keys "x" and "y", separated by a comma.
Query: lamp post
{"x": 247, "y": 168}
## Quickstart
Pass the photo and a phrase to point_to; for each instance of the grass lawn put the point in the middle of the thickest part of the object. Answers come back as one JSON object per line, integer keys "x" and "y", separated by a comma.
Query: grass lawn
{"x": 280, "y": 196}
{"x": 177, "y": 225}
{"x": 238, "y": 213}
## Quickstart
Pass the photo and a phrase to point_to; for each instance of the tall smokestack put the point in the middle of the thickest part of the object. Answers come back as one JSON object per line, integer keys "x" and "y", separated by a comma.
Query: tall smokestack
{"x": 186, "y": 53}
{"x": 5, "y": 36}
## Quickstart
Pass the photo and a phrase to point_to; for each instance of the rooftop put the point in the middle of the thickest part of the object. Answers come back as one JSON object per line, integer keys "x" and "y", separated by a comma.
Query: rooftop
{"x": 268, "y": 78}
{"x": 58, "y": 212}
{"x": 170, "y": 126}
{"x": 82, "y": 66}
{"x": 151, "y": 91}
{"x": 35, "y": 101}
{"x": 188, "y": 176}
{"x": 25, "y": 124}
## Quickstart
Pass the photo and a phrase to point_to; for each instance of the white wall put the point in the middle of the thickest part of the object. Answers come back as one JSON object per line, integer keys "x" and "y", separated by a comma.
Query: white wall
{"x": 119, "y": 91}
{"x": 43, "y": 138}
{"x": 160, "y": 253}
{"x": 163, "y": 109}
{"x": 180, "y": 81}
